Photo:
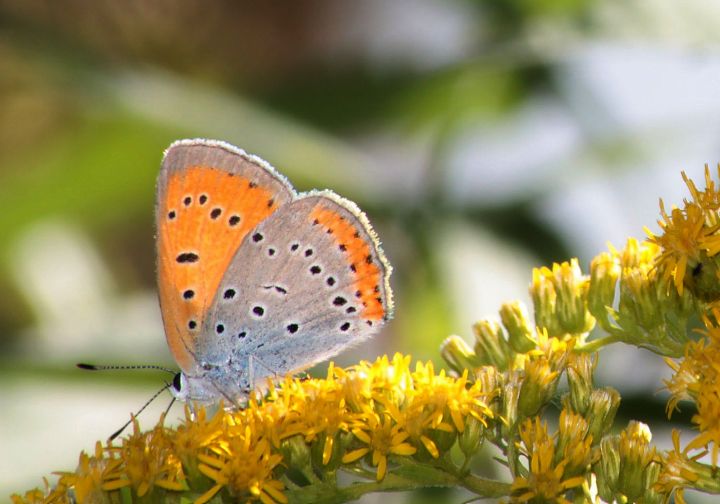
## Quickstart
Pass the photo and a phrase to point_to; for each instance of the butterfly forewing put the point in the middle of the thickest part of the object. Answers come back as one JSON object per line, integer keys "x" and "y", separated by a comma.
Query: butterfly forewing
{"x": 209, "y": 196}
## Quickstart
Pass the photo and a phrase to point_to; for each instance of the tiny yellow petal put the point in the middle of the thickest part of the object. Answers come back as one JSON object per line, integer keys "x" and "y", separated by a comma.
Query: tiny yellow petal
{"x": 355, "y": 455}
{"x": 210, "y": 473}
{"x": 430, "y": 446}
{"x": 327, "y": 449}
{"x": 143, "y": 488}
{"x": 403, "y": 449}
{"x": 208, "y": 495}
{"x": 170, "y": 484}
{"x": 276, "y": 494}
{"x": 362, "y": 436}
{"x": 382, "y": 468}
{"x": 115, "y": 484}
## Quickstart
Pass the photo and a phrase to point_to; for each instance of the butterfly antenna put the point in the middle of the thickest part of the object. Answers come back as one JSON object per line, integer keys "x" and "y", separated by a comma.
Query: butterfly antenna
{"x": 132, "y": 417}
{"x": 95, "y": 367}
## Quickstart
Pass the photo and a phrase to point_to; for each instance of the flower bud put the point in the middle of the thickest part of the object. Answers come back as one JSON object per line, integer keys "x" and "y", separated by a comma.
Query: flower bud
{"x": 515, "y": 321}
{"x": 471, "y": 438}
{"x": 510, "y": 396}
{"x": 636, "y": 453}
{"x": 607, "y": 468}
{"x": 603, "y": 406}
{"x": 604, "y": 274}
{"x": 580, "y": 380}
{"x": 491, "y": 346}
{"x": 651, "y": 495}
{"x": 560, "y": 297}
{"x": 538, "y": 386}
{"x": 458, "y": 354}
{"x": 574, "y": 445}
{"x": 295, "y": 452}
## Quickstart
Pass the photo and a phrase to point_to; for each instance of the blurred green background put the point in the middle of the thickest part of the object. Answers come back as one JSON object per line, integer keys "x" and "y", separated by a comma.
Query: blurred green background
{"x": 481, "y": 137}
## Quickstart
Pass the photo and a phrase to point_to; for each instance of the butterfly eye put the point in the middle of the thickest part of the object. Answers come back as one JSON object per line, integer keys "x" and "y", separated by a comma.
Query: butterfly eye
{"x": 177, "y": 382}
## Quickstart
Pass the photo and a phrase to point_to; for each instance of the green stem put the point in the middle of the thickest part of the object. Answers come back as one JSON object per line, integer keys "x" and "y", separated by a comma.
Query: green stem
{"x": 485, "y": 487}
{"x": 331, "y": 494}
{"x": 436, "y": 476}
{"x": 597, "y": 343}
{"x": 409, "y": 475}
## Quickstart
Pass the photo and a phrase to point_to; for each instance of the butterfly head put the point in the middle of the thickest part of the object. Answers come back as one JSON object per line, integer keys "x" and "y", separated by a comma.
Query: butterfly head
{"x": 209, "y": 384}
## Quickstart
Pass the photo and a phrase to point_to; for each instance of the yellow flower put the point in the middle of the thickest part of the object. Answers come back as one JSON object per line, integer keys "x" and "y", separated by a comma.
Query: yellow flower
{"x": 709, "y": 199}
{"x": 244, "y": 465}
{"x": 560, "y": 299}
{"x": 685, "y": 378}
{"x": 382, "y": 437}
{"x": 697, "y": 377}
{"x": 58, "y": 495}
{"x": 307, "y": 427}
{"x": 546, "y": 480}
{"x": 322, "y": 411}
{"x": 688, "y": 234}
{"x": 194, "y": 433}
{"x": 97, "y": 474}
{"x": 707, "y": 419}
{"x": 574, "y": 444}
{"x": 680, "y": 242}
{"x": 678, "y": 470}
{"x": 149, "y": 461}
{"x": 636, "y": 455}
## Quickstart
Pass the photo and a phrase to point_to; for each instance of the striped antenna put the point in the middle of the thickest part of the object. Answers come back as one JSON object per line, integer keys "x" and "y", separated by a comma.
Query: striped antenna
{"x": 175, "y": 383}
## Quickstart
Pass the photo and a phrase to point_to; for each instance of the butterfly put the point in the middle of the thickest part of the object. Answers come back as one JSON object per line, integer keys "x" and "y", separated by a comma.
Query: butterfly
{"x": 256, "y": 280}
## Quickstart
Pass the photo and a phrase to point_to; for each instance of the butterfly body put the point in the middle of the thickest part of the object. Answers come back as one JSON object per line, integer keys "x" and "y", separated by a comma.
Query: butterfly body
{"x": 256, "y": 280}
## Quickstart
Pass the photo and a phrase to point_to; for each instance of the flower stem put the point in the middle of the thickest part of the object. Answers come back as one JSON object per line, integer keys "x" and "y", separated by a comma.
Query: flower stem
{"x": 409, "y": 475}
{"x": 597, "y": 344}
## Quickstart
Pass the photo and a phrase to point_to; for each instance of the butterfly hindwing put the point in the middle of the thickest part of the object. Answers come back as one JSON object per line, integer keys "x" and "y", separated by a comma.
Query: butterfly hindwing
{"x": 307, "y": 282}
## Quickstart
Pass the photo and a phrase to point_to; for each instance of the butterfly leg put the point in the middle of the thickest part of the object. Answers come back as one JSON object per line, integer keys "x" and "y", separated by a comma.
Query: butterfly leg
{"x": 251, "y": 371}
{"x": 228, "y": 398}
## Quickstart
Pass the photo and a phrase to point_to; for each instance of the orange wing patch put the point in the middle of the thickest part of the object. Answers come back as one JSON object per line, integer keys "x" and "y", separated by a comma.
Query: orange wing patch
{"x": 367, "y": 274}
{"x": 204, "y": 217}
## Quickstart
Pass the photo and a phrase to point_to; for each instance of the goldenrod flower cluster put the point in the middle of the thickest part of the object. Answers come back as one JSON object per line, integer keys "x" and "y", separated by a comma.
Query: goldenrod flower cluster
{"x": 367, "y": 420}
{"x": 523, "y": 391}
